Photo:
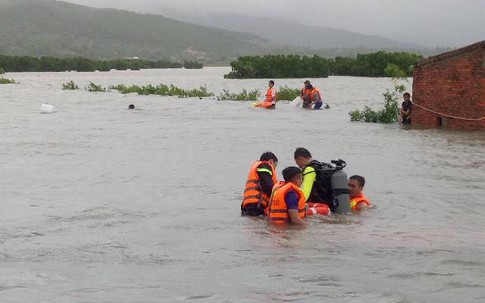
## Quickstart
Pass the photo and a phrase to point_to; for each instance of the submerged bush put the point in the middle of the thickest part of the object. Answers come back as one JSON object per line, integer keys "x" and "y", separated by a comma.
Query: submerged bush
{"x": 95, "y": 88}
{"x": 286, "y": 93}
{"x": 192, "y": 65}
{"x": 70, "y": 86}
{"x": 7, "y": 81}
{"x": 390, "y": 112}
{"x": 243, "y": 96}
{"x": 163, "y": 90}
{"x": 125, "y": 89}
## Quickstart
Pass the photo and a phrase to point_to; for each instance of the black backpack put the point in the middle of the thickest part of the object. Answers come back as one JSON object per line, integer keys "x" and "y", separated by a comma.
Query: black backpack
{"x": 323, "y": 182}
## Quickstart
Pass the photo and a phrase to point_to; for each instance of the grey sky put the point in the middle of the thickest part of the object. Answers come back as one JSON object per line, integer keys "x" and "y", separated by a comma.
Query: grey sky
{"x": 427, "y": 22}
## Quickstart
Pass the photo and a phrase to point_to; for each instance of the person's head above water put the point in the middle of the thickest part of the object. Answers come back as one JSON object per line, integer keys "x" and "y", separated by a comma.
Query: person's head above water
{"x": 271, "y": 83}
{"x": 270, "y": 157}
{"x": 131, "y": 106}
{"x": 356, "y": 185}
{"x": 293, "y": 174}
{"x": 302, "y": 156}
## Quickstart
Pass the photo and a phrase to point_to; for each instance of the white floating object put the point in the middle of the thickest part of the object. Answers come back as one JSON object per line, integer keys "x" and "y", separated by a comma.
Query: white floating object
{"x": 47, "y": 109}
{"x": 296, "y": 102}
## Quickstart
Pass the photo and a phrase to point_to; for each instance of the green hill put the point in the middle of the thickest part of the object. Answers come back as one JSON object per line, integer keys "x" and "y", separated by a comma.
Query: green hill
{"x": 54, "y": 28}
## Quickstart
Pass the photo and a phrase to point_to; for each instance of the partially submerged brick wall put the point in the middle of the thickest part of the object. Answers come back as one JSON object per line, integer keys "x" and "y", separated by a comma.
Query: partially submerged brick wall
{"x": 452, "y": 84}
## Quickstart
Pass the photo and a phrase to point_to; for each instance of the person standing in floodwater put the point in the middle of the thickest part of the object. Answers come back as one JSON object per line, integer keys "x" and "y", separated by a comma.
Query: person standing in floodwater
{"x": 260, "y": 182}
{"x": 405, "y": 110}
{"x": 287, "y": 203}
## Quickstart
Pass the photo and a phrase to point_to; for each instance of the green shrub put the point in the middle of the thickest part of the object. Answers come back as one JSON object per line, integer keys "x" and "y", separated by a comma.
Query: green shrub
{"x": 95, "y": 88}
{"x": 126, "y": 89}
{"x": 286, "y": 93}
{"x": 163, "y": 90}
{"x": 192, "y": 65}
{"x": 390, "y": 112}
{"x": 70, "y": 86}
{"x": 7, "y": 81}
{"x": 355, "y": 115}
{"x": 243, "y": 96}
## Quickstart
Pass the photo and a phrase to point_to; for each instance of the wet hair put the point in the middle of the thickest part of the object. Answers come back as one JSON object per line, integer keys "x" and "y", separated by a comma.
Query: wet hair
{"x": 359, "y": 180}
{"x": 406, "y": 94}
{"x": 266, "y": 156}
{"x": 271, "y": 81}
{"x": 290, "y": 173}
{"x": 302, "y": 152}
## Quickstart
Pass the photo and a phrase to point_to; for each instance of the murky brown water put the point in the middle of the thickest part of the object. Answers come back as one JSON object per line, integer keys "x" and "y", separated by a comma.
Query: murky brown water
{"x": 103, "y": 204}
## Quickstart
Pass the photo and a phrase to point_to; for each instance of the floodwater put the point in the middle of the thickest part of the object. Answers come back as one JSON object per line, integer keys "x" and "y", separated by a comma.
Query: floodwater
{"x": 104, "y": 204}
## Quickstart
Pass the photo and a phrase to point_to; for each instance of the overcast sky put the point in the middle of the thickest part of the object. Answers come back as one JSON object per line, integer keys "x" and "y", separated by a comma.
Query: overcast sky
{"x": 427, "y": 22}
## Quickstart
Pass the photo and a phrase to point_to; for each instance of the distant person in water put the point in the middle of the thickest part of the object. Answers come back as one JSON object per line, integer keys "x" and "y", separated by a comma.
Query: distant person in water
{"x": 358, "y": 200}
{"x": 405, "y": 110}
{"x": 305, "y": 94}
{"x": 316, "y": 98}
{"x": 131, "y": 106}
{"x": 271, "y": 97}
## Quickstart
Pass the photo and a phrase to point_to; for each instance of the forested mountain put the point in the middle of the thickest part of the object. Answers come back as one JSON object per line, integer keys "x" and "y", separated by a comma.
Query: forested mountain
{"x": 55, "y": 28}
{"x": 286, "y": 32}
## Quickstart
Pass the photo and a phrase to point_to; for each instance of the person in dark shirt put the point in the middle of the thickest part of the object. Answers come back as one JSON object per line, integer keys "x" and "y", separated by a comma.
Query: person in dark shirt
{"x": 259, "y": 185}
{"x": 405, "y": 110}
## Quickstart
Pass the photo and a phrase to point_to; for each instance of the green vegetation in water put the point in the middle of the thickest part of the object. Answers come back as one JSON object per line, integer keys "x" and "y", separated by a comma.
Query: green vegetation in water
{"x": 95, "y": 88}
{"x": 54, "y": 64}
{"x": 193, "y": 65}
{"x": 286, "y": 93}
{"x": 70, "y": 86}
{"x": 378, "y": 64}
{"x": 243, "y": 96}
{"x": 5, "y": 80}
{"x": 390, "y": 112}
{"x": 163, "y": 90}
{"x": 279, "y": 66}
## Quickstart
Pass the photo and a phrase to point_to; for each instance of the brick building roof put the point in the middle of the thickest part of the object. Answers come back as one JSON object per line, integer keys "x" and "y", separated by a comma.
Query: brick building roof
{"x": 453, "y": 53}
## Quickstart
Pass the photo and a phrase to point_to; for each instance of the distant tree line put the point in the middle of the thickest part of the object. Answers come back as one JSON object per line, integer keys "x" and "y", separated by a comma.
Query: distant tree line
{"x": 378, "y": 64}
{"x": 193, "y": 65}
{"x": 55, "y": 64}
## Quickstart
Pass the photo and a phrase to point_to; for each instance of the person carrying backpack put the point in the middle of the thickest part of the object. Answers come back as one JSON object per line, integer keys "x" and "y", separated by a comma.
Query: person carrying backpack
{"x": 316, "y": 185}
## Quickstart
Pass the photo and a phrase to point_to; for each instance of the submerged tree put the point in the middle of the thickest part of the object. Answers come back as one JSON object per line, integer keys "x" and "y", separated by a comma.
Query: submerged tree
{"x": 390, "y": 112}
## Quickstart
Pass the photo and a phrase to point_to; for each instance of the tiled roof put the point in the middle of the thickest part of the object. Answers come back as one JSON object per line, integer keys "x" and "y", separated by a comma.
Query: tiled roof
{"x": 453, "y": 53}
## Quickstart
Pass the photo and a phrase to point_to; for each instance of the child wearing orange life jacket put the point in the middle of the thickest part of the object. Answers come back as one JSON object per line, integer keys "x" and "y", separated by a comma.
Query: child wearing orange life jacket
{"x": 358, "y": 200}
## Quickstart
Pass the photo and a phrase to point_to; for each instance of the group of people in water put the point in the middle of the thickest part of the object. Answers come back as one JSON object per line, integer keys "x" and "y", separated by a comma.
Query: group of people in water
{"x": 305, "y": 191}
{"x": 312, "y": 99}
{"x": 310, "y": 95}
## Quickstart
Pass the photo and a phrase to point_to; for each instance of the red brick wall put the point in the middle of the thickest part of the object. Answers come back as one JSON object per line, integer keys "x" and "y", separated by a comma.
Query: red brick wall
{"x": 453, "y": 86}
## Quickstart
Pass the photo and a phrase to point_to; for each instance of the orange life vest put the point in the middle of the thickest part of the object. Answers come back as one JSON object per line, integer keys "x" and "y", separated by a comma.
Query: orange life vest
{"x": 354, "y": 201}
{"x": 270, "y": 98}
{"x": 253, "y": 194}
{"x": 305, "y": 92}
{"x": 314, "y": 93}
{"x": 278, "y": 212}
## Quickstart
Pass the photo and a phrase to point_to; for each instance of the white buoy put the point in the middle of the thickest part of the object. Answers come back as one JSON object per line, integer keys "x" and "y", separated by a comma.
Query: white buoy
{"x": 47, "y": 109}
